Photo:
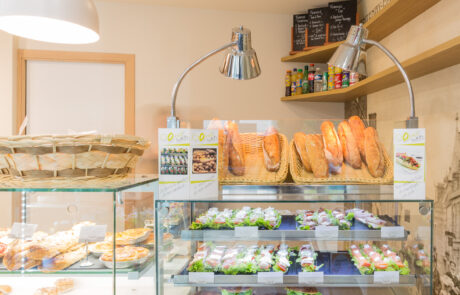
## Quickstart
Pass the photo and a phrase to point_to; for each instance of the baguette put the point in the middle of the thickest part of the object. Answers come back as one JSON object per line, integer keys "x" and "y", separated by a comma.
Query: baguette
{"x": 374, "y": 153}
{"x": 357, "y": 128}
{"x": 272, "y": 150}
{"x": 236, "y": 160}
{"x": 52, "y": 245}
{"x": 349, "y": 147}
{"x": 64, "y": 260}
{"x": 300, "y": 140}
{"x": 315, "y": 151}
{"x": 332, "y": 147}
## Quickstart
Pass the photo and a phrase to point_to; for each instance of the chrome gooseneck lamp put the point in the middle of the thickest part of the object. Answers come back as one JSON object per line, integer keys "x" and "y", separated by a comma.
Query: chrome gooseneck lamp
{"x": 351, "y": 56}
{"x": 240, "y": 63}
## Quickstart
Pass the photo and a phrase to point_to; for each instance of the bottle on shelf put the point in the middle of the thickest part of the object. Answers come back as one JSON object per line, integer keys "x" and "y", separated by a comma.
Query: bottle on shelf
{"x": 298, "y": 88}
{"x": 293, "y": 81}
{"x": 325, "y": 80}
{"x": 287, "y": 80}
{"x": 331, "y": 78}
{"x": 338, "y": 78}
{"x": 305, "y": 81}
{"x": 311, "y": 78}
{"x": 345, "y": 79}
{"x": 318, "y": 83}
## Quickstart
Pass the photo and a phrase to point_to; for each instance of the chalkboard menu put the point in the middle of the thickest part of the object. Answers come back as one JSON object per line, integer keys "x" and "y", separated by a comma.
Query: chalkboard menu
{"x": 300, "y": 25}
{"x": 342, "y": 15}
{"x": 317, "y": 20}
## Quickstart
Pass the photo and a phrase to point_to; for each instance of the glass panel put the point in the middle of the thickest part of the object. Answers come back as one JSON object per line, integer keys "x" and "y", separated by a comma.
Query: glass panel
{"x": 353, "y": 247}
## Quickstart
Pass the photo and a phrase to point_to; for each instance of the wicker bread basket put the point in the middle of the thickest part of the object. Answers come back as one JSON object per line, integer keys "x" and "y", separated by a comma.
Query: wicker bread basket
{"x": 348, "y": 175}
{"x": 70, "y": 156}
{"x": 255, "y": 171}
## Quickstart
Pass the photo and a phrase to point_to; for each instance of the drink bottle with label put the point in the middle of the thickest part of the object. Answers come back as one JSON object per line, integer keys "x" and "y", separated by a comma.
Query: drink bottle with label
{"x": 293, "y": 81}
{"x": 298, "y": 88}
{"x": 287, "y": 80}
{"x": 305, "y": 81}
{"x": 311, "y": 78}
{"x": 318, "y": 80}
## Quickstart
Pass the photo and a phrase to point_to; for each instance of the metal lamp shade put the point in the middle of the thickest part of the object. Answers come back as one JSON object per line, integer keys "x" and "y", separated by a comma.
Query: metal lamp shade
{"x": 241, "y": 61}
{"x": 351, "y": 55}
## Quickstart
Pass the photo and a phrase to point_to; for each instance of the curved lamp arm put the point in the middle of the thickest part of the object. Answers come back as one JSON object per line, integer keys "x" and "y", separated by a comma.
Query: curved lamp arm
{"x": 173, "y": 121}
{"x": 412, "y": 122}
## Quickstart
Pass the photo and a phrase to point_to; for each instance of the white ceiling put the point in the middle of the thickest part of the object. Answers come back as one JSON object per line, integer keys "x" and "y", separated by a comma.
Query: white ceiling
{"x": 269, "y": 6}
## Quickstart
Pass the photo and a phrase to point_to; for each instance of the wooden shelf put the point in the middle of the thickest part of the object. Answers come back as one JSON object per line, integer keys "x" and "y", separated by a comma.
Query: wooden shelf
{"x": 393, "y": 16}
{"x": 435, "y": 59}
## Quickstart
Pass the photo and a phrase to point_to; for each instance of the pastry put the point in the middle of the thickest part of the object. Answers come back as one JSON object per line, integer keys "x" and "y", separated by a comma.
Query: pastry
{"x": 236, "y": 159}
{"x": 47, "y": 291}
{"x": 52, "y": 245}
{"x": 122, "y": 254}
{"x": 64, "y": 260}
{"x": 64, "y": 285}
{"x": 5, "y": 289}
{"x": 349, "y": 147}
{"x": 316, "y": 154}
{"x": 272, "y": 150}
{"x": 357, "y": 128}
{"x": 132, "y": 236}
{"x": 374, "y": 152}
{"x": 332, "y": 147}
{"x": 300, "y": 140}
{"x": 100, "y": 247}
{"x": 141, "y": 252}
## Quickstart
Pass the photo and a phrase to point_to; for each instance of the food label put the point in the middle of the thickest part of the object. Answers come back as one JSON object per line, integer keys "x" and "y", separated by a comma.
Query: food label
{"x": 246, "y": 231}
{"x": 92, "y": 233}
{"x": 327, "y": 232}
{"x": 392, "y": 232}
{"x": 22, "y": 230}
{"x": 271, "y": 278}
{"x": 201, "y": 277}
{"x": 204, "y": 181}
{"x": 308, "y": 278}
{"x": 409, "y": 163}
{"x": 386, "y": 277}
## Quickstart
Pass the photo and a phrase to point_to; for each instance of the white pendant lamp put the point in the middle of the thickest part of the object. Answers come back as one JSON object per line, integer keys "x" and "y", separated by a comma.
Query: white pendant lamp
{"x": 56, "y": 21}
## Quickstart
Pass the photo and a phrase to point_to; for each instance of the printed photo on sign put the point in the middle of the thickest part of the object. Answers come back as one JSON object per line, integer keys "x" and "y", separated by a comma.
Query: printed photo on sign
{"x": 174, "y": 161}
{"x": 204, "y": 160}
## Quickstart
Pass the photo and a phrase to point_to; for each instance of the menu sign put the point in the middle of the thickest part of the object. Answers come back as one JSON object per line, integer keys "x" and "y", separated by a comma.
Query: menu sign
{"x": 187, "y": 163}
{"x": 409, "y": 163}
{"x": 300, "y": 25}
{"x": 317, "y": 20}
{"x": 342, "y": 15}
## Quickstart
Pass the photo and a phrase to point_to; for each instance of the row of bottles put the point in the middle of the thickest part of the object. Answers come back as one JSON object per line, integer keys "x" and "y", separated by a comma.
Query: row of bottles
{"x": 312, "y": 79}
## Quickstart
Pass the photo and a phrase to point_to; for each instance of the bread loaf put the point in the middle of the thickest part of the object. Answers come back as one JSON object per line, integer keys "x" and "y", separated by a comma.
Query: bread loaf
{"x": 271, "y": 147}
{"x": 357, "y": 128}
{"x": 332, "y": 147}
{"x": 64, "y": 260}
{"x": 300, "y": 140}
{"x": 349, "y": 147}
{"x": 236, "y": 160}
{"x": 373, "y": 152}
{"x": 316, "y": 155}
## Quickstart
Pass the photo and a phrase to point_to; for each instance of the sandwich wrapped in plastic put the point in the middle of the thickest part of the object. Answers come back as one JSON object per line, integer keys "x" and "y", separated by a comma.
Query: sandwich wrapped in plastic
{"x": 367, "y": 218}
{"x": 282, "y": 259}
{"x": 307, "y": 258}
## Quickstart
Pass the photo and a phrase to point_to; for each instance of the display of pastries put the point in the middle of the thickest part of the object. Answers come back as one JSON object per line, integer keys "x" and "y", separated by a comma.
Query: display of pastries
{"x": 132, "y": 236}
{"x": 100, "y": 248}
{"x": 64, "y": 285}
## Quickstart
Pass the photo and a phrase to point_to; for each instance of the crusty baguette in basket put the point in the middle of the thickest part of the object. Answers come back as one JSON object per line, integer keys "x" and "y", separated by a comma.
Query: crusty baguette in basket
{"x": 68, "y": 156}
{"x": 255, "y": 170}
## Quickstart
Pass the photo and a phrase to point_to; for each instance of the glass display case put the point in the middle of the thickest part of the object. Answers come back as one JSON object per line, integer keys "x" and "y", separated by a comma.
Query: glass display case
{"x": 288, "y": 238}
{"x": 60, "y": 236}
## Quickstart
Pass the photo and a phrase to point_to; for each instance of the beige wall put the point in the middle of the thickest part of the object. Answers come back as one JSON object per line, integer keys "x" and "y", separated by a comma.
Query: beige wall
{"x": 166, "y": 40}
{"x": 437, "y": 98}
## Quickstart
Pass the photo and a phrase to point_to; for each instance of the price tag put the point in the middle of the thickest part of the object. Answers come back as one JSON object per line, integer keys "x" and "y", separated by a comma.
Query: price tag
{"x": 92, "y": 233}
{"x": 392, "y": 232}
{"x": 246, "y": 231}
{"x": 386, "y": 277}
{"x": 271, "y": 278}
{"x": 22, "y": 230}
{"x": 201, "y": 277}
{"x": 327, "y": 232}
{"x": 309, "y": 278}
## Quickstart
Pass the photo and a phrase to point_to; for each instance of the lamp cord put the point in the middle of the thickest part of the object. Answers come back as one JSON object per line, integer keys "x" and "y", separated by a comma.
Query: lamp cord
{"x": 403, "y": 72}
{"x": 187, "y": 70}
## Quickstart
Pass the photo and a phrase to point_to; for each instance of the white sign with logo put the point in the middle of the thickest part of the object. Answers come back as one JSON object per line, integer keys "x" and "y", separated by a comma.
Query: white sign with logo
{"x": 409, "y": 163}
{"x": 204, "y": 181}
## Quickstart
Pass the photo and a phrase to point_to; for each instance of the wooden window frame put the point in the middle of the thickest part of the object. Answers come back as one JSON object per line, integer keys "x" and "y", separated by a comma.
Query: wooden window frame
{"x": 128, "y": 60}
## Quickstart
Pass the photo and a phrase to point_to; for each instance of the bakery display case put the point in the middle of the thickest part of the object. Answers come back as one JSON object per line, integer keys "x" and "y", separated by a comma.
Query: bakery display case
{"x": 62, "y": 236}
{"x": 276, "y": 239}
{"x": 303, "y": 207}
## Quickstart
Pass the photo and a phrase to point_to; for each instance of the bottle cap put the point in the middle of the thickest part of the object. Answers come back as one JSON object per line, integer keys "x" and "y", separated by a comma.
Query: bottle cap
{"x": 295, "y": 69}
{"x": 299, "y": 70}
{"x": 311, "y": 65}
